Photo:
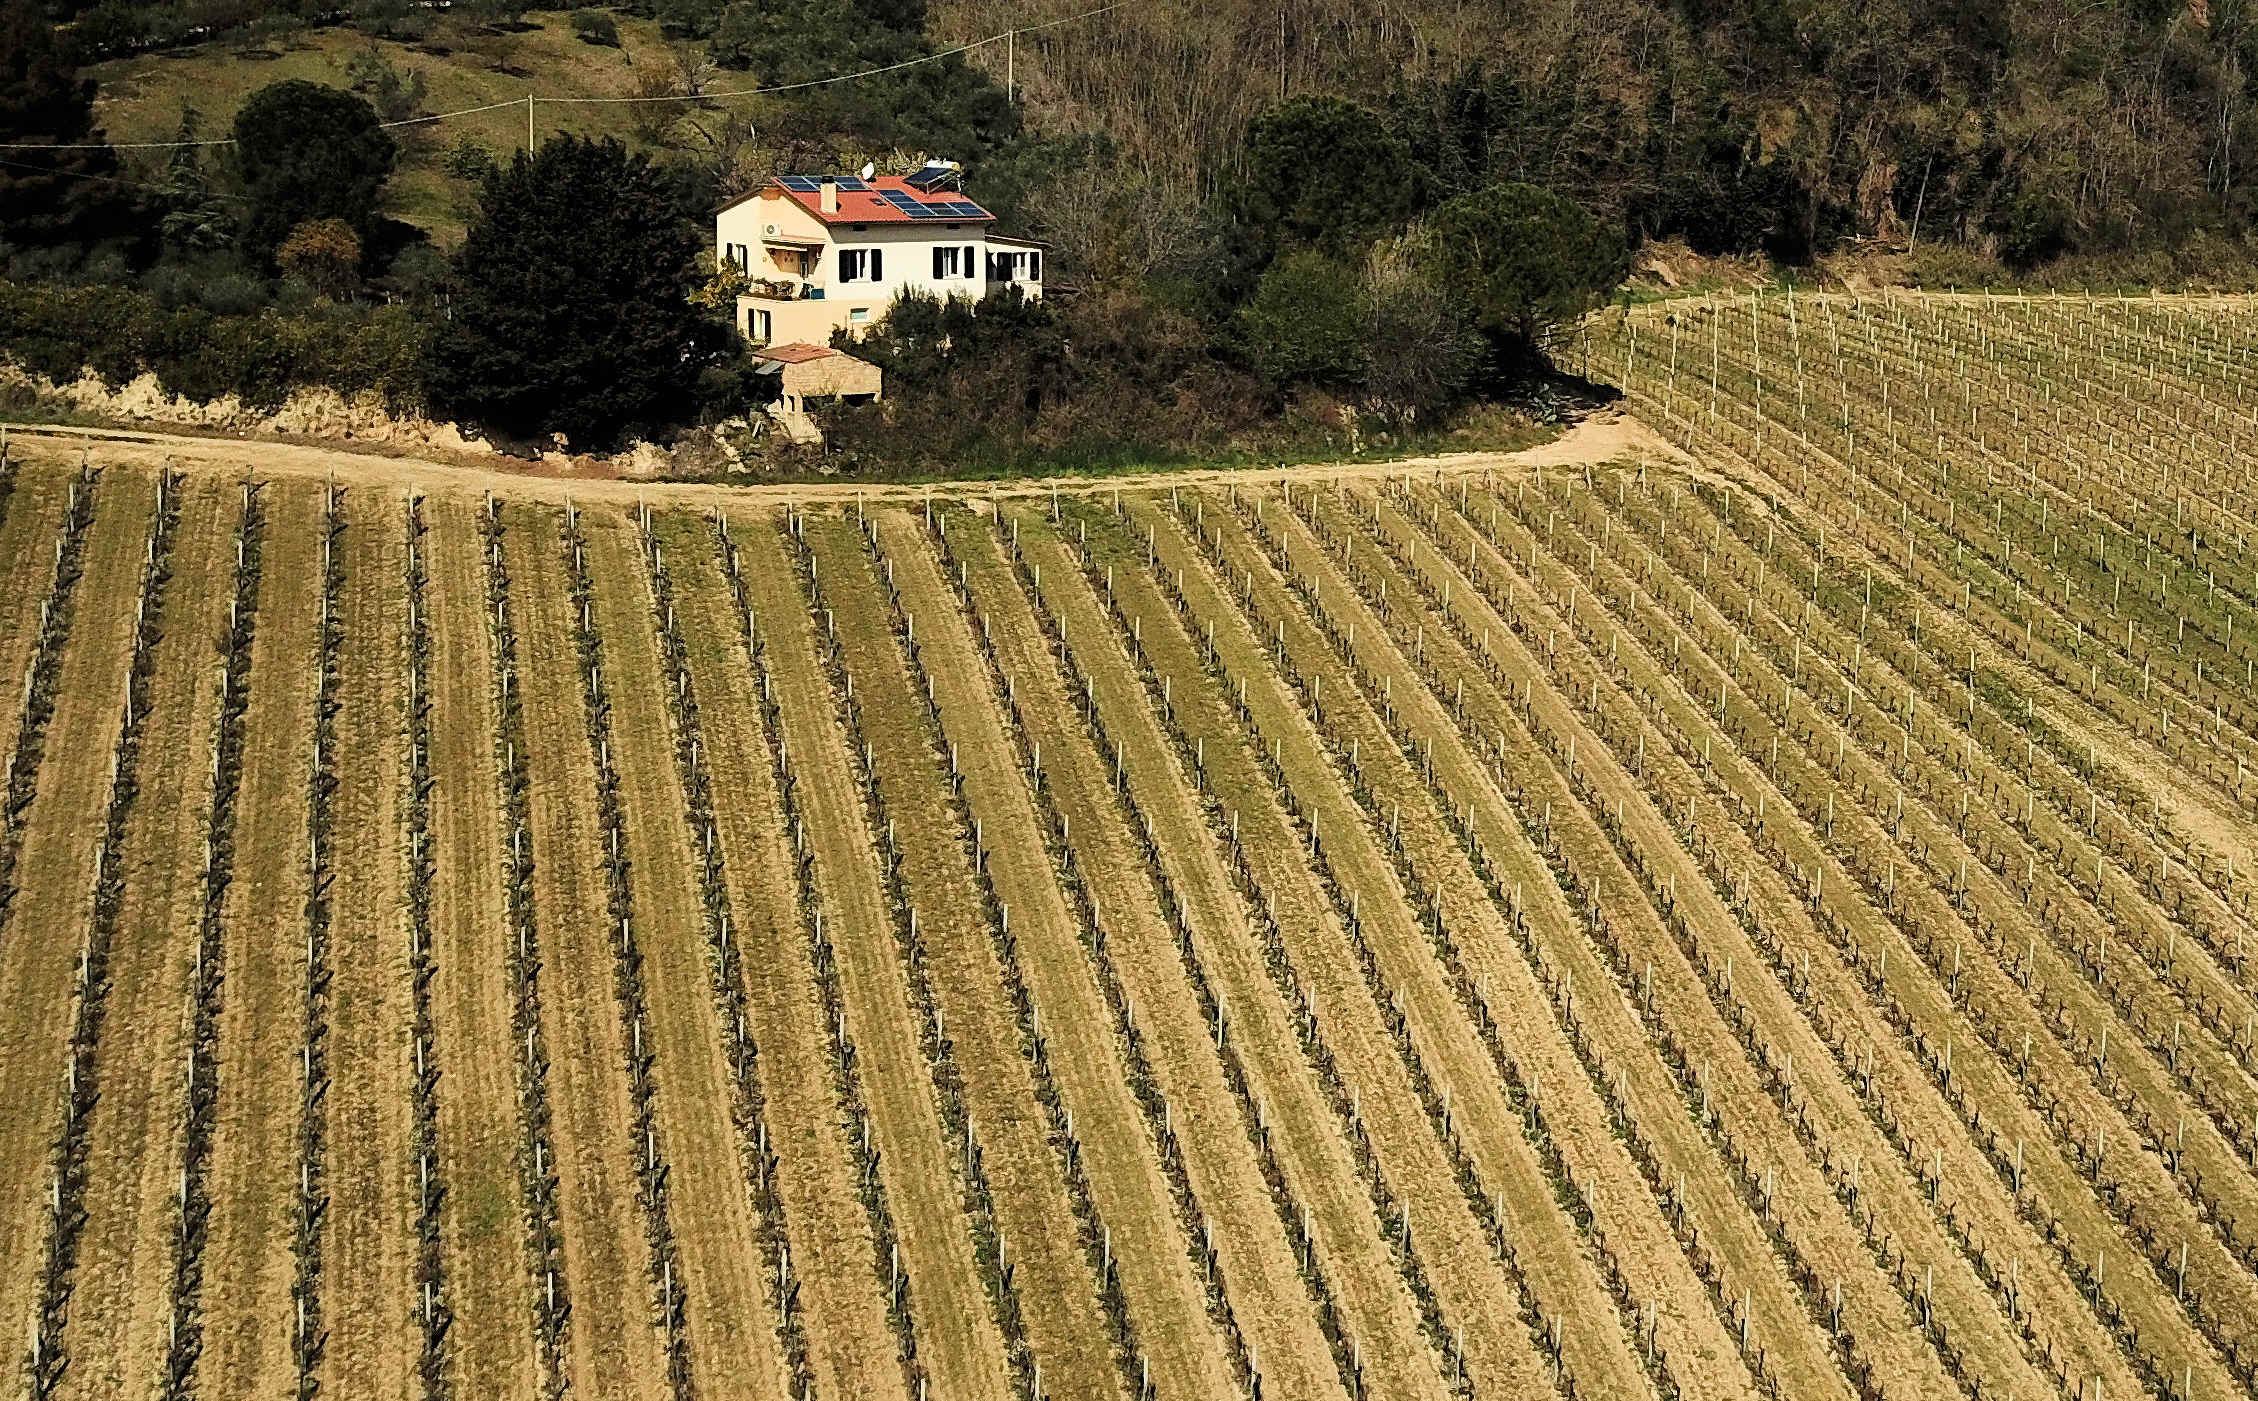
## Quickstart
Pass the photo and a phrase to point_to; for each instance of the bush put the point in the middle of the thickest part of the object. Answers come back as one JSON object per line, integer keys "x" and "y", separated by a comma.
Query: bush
{"x": 596, "y": 27}
{"x": 396, "y": 93}
{"x": 111, "y": 28}
{"x": 214, "y": 281}
{"x": 1306, "y": 322}
{"x": 326, "y": 255}
{"x": 1432, "y": 352}
{"x": 469, "y": 160}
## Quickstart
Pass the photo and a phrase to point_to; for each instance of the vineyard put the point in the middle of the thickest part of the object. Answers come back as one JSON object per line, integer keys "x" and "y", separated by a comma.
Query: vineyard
{"x": 1768, "y": 917}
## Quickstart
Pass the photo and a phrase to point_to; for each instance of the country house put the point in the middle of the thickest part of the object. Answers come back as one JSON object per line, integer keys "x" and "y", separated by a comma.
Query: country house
{"x": 832, "y": 252}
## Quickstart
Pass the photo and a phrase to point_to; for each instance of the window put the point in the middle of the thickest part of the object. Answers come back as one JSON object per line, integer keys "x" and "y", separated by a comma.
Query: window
{"x": 944, "y": 262}
{"x": 738, "y": 254}
{"x": 859, "y": 314}
{"x": 861, "y": 265}
{"x": 971, "y": 264}
{"x": 758, "y": 326}
{"x": 1015, "y": 267}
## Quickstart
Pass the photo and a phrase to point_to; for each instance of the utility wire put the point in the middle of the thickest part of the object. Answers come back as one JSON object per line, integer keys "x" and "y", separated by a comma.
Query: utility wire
{"x": 105, "y": 179}
{"x": 532, "y": 99}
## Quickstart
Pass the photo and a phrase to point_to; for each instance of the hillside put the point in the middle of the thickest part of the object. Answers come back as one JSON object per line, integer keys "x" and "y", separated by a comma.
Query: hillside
{"x": 1788, "y": 127}
{"x": 462, "y": 64}
{"x": 2024, "y": 129}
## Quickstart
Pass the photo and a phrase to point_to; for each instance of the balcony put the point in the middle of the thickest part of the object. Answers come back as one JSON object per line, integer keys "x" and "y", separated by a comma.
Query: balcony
{"x": 776, "y": 289}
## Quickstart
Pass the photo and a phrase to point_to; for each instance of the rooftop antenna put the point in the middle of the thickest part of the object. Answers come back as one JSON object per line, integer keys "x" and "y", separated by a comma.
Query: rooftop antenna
{"x": 869, "y": 169}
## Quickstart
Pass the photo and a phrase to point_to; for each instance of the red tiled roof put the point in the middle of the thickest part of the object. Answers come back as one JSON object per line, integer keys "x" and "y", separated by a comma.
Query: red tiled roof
{"x": 794, "y": 353}
{"x": 872, "y": 207}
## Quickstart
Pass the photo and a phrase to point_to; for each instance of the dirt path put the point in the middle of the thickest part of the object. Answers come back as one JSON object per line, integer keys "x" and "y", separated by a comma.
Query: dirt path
{"x": 255, "y": 1149}
{"x": 1600, "y": 437}
{"x": 369, "y": 1294}
{"x": 480, "y": 1140}
{"x": 34, "y": 513}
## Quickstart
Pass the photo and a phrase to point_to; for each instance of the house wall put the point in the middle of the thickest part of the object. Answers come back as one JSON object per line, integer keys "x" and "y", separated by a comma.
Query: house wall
{"x": 798, "y": 320}
{"x": 747, "y": 223}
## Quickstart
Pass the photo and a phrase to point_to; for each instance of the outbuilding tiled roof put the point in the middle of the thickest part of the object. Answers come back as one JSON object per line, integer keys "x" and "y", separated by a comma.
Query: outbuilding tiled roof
{"x": 795, "y": 352}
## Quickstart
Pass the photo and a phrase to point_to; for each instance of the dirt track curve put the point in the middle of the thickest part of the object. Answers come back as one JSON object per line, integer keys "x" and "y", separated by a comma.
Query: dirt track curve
{"x": 1601, "y": 437}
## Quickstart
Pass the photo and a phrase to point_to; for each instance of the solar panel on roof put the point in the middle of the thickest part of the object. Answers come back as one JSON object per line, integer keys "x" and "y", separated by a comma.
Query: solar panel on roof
{"x": 852, "y": 182}
{"x": 806, "y": 184}
{"x": 964, "y": 209}
{"x": 931, "y": 177}
{"x": 901, "y": 201}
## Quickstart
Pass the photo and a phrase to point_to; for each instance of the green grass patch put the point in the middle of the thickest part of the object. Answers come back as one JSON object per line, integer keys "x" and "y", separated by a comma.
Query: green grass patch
{"x": 463, "y": 65}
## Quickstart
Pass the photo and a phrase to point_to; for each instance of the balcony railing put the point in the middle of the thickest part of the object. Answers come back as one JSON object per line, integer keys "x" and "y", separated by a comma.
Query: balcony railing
{"x": 786, "y": 290}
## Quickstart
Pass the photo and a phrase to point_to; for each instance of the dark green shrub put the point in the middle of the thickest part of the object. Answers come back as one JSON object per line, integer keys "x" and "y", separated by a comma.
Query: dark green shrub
{"x": 117, "y": 333}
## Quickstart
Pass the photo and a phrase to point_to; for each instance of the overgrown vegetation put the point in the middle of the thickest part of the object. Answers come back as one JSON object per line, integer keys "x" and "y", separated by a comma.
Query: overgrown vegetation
{"x": 260, "y": 357}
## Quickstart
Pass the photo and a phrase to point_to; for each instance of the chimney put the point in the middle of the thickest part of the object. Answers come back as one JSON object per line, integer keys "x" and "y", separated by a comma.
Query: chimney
{"x": 830, "y": 194}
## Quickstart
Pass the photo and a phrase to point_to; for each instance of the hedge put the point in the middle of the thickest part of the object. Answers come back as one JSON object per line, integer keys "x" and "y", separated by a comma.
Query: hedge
{"x": 118, "y": 333}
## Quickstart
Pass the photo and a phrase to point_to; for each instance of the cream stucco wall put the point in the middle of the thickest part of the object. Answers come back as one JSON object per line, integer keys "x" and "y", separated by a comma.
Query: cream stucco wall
{"x": 799, "y": 320}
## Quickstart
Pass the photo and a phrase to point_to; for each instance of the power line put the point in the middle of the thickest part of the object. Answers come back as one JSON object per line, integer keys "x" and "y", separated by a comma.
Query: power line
{"x": 532, "y": 99}
{"x": 105, "y": 179}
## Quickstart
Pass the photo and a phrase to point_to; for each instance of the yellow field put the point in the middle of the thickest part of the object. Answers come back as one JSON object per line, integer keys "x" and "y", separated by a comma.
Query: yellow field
{"x": 1764, "y": 915}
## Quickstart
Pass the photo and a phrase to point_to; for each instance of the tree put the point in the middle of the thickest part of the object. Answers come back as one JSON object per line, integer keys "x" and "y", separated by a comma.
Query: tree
{"x": 572, "y": 310}
{"x": 195, "y": 220}
{"x": 1525, "y": 262}
{"x": 396, "y": 93}
{"x": 70, "y": 196}
{"x": 596, "y": 27}
{"x": 325, "y": 255}
{"x": 1306, "y": 322}
{"x": 1321, "y": 172}
{"x": 309, "y": 152}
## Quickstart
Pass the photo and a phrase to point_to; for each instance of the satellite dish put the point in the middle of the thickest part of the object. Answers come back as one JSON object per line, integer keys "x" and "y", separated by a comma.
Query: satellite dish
{"x": 868, "y": 170}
